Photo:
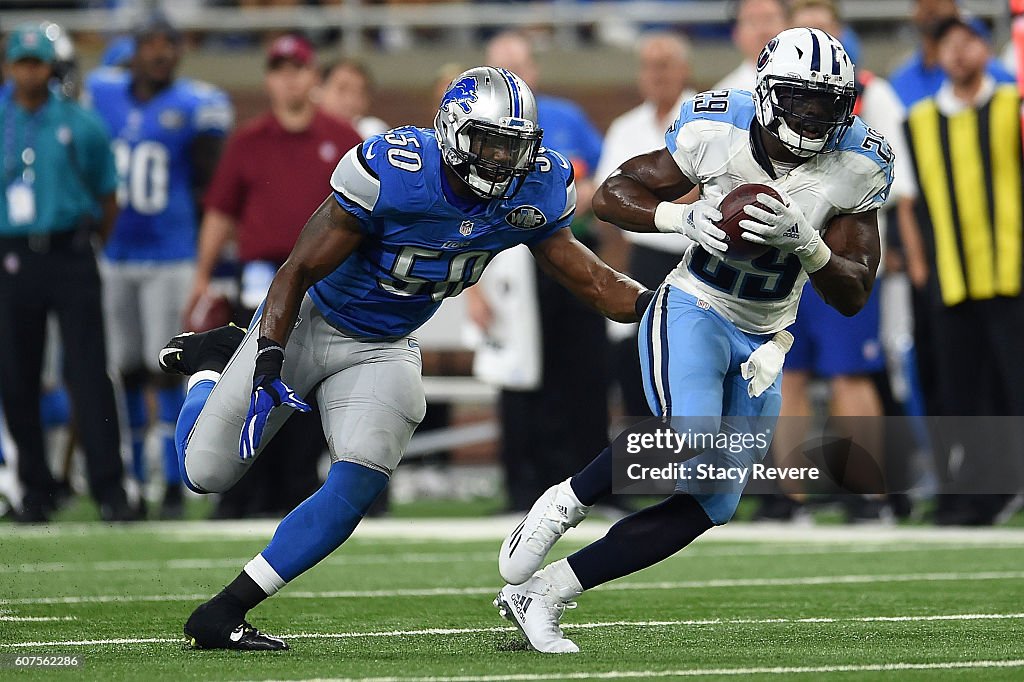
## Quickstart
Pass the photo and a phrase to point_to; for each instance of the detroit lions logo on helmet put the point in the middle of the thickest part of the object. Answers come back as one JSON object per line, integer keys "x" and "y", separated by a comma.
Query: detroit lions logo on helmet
{"x": 462, "y": 93}
{"x": 525, "y": 218}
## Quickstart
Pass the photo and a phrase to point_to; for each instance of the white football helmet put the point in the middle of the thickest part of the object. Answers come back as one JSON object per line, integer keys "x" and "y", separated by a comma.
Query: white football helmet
{"x": 804, "y": 92}
{"x": 487, "y": 129}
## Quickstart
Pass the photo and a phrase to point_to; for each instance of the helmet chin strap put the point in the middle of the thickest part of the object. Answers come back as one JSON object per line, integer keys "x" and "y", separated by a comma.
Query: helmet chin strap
{"x": 798, "y": 144}
{"x": 486, "y": 188}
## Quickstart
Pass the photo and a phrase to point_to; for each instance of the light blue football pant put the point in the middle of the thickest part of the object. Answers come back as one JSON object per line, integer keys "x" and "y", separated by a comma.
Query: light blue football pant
{"x": 690, "y": 359}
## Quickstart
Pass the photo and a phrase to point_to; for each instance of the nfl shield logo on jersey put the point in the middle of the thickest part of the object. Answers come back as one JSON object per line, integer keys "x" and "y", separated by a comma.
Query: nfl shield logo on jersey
{"x": 466, "y": 228}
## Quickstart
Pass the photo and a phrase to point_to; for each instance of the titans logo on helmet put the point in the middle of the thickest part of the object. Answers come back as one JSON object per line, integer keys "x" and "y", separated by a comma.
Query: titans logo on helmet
{"x": 462, "y": 93}
{"x": 766, "y": 53}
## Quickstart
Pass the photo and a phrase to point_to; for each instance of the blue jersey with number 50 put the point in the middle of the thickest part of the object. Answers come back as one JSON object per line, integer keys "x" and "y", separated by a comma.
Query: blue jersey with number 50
{"x": 152, "y": 142}
{"x": 422, "y": 243}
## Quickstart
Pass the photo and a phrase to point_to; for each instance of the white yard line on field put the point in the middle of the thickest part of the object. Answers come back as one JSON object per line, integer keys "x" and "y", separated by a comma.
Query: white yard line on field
{"x": 495, "y": 528}
{"x": 343, "y": 559}
{"x": 698, "y": 672}
{"x": 568, "y": 626}
{"x": 613, "y": 587}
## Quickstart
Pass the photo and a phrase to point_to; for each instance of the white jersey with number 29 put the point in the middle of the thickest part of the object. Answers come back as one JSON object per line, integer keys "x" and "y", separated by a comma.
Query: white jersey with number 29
{"x": 711, "y": 142}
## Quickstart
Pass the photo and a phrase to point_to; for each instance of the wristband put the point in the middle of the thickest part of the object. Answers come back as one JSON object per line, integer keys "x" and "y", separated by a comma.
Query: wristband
{"x": 643, "y": 301}
{"x": 668, "y": 217}
{"x": 269, "y": 358}
{"x": 815, "y": 255}
{"x": 783, "y": 340}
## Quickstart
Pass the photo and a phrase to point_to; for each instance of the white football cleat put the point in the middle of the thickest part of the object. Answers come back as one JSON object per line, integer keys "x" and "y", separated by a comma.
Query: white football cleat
{"x": 523, "y": 551}
{"x": 536, "y": 609}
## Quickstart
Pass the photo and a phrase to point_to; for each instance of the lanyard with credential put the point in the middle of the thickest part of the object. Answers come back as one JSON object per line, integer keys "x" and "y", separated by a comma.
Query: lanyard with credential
{"x": 21, "y": 200}
{"x": 28, "y": 153}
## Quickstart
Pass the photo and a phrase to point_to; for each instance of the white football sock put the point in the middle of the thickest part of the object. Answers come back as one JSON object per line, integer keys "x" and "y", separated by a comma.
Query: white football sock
{"x": 264, "y": 575}
{"x": 562, "y": 579}
{"x": 202, "y": 375}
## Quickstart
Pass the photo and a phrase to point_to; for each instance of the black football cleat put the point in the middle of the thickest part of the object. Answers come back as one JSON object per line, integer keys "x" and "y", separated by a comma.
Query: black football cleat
{"x": 190, "y": 352}
{"x": 212, "y": 627}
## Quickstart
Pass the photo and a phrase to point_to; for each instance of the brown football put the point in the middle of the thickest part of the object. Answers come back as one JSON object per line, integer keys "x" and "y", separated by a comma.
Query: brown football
{"x": 732, "y": 213}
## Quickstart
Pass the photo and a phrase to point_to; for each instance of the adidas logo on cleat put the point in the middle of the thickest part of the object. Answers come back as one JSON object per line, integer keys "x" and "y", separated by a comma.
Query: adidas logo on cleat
{"x": 521, "y": 603}
{"x": 237, "y": 633}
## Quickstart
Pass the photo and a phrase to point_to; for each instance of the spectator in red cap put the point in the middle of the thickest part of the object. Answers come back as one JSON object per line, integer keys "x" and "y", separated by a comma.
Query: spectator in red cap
{"x": 274, "y": 172}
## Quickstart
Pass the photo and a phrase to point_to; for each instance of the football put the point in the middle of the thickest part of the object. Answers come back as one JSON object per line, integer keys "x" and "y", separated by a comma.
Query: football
{"x": 732, "y": 213}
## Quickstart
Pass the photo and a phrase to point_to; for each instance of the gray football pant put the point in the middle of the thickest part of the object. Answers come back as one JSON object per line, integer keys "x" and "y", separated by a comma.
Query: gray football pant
{"x": 142, "y": 306}
{"x": 370, "y": 396}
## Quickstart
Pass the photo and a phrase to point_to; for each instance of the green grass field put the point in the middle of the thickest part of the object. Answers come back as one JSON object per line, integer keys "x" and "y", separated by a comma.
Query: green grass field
{"x": 399, "y": 603}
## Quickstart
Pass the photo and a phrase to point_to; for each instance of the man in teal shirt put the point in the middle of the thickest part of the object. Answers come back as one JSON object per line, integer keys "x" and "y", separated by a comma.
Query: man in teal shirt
{"x": 58, "y": 179}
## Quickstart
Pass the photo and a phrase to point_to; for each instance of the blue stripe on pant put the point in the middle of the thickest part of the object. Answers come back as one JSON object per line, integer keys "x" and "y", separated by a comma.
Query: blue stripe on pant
{"x": 690, "y": 359}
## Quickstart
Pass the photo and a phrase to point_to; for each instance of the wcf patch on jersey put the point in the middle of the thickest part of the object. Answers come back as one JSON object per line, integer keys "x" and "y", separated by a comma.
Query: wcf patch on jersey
{"x": 525, "y": 218}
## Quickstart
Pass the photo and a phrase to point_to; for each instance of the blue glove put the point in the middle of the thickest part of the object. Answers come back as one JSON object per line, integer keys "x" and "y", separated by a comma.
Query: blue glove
{"x": 268, "y": 392}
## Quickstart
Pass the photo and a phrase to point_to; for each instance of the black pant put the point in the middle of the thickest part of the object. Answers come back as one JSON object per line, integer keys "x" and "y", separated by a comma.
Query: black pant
{"x": 553, "y": 432}
{"x": 61, "y": 278}
{"x": 980, "y": 374}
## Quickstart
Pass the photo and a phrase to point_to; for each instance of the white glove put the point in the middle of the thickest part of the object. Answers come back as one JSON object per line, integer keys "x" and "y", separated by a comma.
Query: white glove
{"x": 785, "y": 227}
{"x": 763, "y": 366}
{"x": 696, "y": 221}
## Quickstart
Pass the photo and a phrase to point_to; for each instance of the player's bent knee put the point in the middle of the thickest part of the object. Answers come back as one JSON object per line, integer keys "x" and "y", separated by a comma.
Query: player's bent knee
{"x": 204, "y": 471}
{"x": 719, "y": 507}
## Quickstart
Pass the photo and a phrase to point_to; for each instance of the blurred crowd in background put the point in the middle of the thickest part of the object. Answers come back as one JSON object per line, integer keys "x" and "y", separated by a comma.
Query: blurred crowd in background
{"x": 163, "y": 209}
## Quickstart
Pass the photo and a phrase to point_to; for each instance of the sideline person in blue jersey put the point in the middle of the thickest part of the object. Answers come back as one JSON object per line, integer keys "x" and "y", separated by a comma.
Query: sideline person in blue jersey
{"x": 167, "y": 137}
{"x": 414, "y": 217}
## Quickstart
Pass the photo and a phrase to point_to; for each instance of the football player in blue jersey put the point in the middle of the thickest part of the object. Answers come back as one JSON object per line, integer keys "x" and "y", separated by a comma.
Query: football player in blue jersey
{"x": 414, "y": 217}
{"x": 167, "y": 135}
{"x": 713, "y": 342}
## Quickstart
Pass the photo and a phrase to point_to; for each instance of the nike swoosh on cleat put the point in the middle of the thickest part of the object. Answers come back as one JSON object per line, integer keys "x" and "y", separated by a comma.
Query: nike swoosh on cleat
{"x": 168, "y": 351}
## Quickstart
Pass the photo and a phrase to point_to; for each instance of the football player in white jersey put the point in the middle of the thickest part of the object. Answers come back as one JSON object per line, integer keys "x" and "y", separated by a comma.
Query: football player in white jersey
{"x": 718, "y": 322}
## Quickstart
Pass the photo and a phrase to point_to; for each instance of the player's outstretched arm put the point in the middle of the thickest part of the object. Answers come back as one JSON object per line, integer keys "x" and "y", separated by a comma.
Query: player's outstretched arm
{"x": 590, "y": 279}
{"x": 331, "y": 234}
{"x": 631, "y": 195}
{"x": 845, "y": 282}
